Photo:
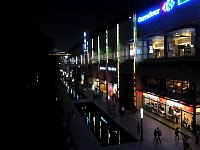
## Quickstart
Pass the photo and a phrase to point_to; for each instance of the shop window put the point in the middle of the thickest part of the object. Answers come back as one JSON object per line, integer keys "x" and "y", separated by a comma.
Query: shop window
{"x": 156, "y": 47}
{"x": 181, "y": 42}
{"x": 198, "y": 118}
{"x": 152, "y": 83}
{"x": 169, "y": 85}
{"x": 187, "y": 120}
{"x": 185, "y": 87}
{"x": 178, "y": 86}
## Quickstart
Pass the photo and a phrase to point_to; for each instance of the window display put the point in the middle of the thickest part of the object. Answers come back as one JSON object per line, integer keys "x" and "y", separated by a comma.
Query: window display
{"x": 170, "y": 109}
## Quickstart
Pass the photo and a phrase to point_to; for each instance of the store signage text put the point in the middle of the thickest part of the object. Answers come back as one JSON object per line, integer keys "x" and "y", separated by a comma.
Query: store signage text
{"x": 166, "y": 7}
{"x": 109, "y": 68}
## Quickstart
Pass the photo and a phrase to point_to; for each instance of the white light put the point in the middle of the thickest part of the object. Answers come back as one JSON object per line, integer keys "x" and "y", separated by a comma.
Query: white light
{"x": 141, "y": 112}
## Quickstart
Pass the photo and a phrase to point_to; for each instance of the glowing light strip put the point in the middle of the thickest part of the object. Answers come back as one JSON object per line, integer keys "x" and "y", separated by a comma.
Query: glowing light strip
{"x": 98, "y": 50}
{"x": 107, "y": 46}
{"x": 104, "y": 120}
{"x": 118, "y": 60}
{"x": 92, "y": 50}
{"x": 180, "y": 2}
{"x": 85, "y": 45}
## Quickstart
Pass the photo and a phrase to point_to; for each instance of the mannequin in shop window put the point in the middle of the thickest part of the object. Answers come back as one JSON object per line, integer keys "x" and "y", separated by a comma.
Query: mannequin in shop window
{"x": 184, "y": 118}
{"x": 186, "y": 122}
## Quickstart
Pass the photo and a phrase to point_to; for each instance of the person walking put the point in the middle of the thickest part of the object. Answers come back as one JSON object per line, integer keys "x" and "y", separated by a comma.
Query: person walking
{"x": 177, "y": 133}
{"x": 138, "y": 127}
{"x": 120, "y": 111}
{"x": 197, "y": 136}
{"x": 159, "y": 134}
{"x": 186, "y": 144}
{"x": 123, "y": 110}
{"x": 155, "y": 133}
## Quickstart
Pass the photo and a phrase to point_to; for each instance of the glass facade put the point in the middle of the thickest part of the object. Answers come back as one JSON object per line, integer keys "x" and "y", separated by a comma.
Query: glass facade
{"x": 177, "y": 86}
{"x": 181, "y": 42}
{"x": 170, "y": 109}
{"x": 156, "y": 47}
{"x": 176, "y": 43}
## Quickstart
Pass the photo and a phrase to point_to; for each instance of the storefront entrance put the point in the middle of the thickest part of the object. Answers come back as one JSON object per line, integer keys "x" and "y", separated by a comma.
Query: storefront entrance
{"x": 171, "y": 110}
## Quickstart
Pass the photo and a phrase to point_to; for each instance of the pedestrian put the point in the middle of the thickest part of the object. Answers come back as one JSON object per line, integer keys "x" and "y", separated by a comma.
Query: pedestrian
{"x": 73, "y": 114}
{"x": 123, "y": 110}
{"x": 155, "y": 133}
{"x": 197, "y": 136}
{"x": 93, "y": 97}
{"x": 186, "y": 144}
{"x": 159, "y": 134}
{"x": 177, "y": 133}
{"x": 120, "y": 111}
{"x": 138, "y": 127}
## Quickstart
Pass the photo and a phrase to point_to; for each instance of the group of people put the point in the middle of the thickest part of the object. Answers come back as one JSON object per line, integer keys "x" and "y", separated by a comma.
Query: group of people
{"x": 98, "y": 96}
{"x": 186, "y": 144}
{"x": 157, "y": 134}
{"x": 185, "y": 139}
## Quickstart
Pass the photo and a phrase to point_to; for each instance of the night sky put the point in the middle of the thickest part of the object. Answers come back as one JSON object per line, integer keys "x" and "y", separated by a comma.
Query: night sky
{"x": 65, "y": 21}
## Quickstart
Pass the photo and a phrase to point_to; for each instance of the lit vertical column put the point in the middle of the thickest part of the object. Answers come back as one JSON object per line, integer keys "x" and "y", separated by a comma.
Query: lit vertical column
{"x": 98, "y": 55}
{"x": 81, "y": 59}
{"x": 107, "y": 64}
{"x": 92, "y": 61}
{"x": 76, "y": 60}
{"x": 88, "y": 54}
{"x": 85, "y": 48}
{"x": 92, "y": 56}
{"x": 134, "y": 60}
{"x": 118, "y": 60}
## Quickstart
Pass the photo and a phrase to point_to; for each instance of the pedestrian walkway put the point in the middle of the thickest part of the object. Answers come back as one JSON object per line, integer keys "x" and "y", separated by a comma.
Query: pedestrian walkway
{"x": 85, "y": 139}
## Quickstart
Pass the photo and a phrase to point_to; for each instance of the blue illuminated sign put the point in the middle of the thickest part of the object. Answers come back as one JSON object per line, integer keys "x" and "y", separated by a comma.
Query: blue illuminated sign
{"x": 85, "y": 45}
{"x": 166, "y": 7}
{"x": 182, "y": 1}
{"x": 149, "y": 15}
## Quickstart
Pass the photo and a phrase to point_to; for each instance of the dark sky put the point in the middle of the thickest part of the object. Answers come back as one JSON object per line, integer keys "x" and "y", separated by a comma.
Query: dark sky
{"x": 66, "y": 20}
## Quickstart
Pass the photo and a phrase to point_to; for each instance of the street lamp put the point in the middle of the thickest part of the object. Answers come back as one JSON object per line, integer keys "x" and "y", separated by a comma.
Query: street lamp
{"x": 141, "y": 113}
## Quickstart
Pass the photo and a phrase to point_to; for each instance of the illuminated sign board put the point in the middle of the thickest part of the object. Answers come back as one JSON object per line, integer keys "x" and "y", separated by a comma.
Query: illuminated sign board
{"x": 165, "y": 7}
{"x": 182, "y": 1}
{"x": 109, "y": 68}
{"x": 85, "y": 43}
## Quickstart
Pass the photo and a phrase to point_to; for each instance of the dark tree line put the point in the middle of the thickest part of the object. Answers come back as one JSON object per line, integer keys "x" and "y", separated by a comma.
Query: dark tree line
{"x": 29, "y": 83}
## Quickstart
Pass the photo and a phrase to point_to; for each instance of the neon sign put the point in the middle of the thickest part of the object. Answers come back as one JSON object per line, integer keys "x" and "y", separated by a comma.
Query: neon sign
{"x": 149, "y": 15}
{"x": 166, "y": 7}
{"x": 182, "y": 1}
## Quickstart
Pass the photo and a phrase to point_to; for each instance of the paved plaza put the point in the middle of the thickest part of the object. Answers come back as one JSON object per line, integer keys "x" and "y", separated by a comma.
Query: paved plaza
{"x": 85, "y": 140}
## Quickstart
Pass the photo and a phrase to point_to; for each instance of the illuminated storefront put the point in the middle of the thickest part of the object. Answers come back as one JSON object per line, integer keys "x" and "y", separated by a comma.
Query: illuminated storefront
{"x": 110, "y": 86}
{"x": 171, "y": 109}
{"x": 168, "y": 36}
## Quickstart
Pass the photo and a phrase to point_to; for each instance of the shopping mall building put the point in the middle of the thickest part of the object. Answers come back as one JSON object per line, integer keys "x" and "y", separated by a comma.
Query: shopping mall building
{"x": 149, "y": 60}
